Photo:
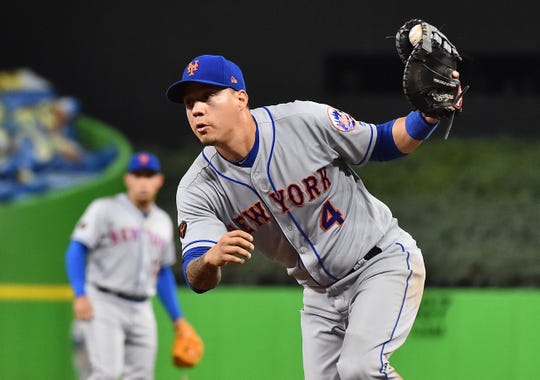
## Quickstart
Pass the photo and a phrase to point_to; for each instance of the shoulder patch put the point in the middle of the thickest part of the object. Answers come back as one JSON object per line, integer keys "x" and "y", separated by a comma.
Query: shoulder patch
{"x": 340, "y": 120}
{"x": 182, "y": 229}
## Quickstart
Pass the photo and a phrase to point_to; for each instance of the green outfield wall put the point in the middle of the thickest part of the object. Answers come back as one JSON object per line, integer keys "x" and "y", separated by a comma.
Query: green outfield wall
{"x": 35, "y": 232}
{"x": 253, "y": 333}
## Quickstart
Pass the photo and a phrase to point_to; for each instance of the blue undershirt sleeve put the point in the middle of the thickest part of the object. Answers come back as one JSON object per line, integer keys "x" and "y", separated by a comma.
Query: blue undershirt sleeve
{"x": 166, "y": 290}
{"x": 189, "y": 256}
{"x": 385, "y": 148}
{"x": 76, "y": 266}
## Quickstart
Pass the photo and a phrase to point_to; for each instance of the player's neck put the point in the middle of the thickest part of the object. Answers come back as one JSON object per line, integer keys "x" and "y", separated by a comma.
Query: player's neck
{"x": 240, "y": 143}
{"x": 143, "y": 205}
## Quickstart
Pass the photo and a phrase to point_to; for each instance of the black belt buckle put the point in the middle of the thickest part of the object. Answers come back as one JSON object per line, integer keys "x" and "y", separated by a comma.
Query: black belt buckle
{"x": 124, "y": 296}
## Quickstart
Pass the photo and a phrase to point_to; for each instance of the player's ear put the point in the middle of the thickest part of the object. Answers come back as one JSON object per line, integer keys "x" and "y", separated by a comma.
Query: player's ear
{"x": 243, "y": 97}
{"x": 161, "y": 179}
{"x": 126, "y": 176}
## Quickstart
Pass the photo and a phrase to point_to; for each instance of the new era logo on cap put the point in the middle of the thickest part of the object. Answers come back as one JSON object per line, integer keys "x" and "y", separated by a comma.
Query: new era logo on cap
{"x": 143, "y": 161}
{"x": 210, "y": 69}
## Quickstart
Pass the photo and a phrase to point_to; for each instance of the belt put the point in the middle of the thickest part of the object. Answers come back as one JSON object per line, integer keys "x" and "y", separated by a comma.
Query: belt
{"x": 124, "y": 296}
{"x": 371, "y": 254}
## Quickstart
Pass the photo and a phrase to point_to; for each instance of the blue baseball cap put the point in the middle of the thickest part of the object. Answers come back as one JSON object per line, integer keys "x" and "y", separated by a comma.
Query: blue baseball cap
{"x": 143, "y": 161}
{"x": 209, "y": 69}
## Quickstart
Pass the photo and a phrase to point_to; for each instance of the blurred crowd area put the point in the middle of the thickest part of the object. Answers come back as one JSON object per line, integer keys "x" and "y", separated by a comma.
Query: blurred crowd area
{"x": 39, "y": 147}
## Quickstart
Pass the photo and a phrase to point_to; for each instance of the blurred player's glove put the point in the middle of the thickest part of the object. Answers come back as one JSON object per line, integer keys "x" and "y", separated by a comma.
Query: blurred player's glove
{"x": 188, "y": 347}
{"x": 430, "y": 58}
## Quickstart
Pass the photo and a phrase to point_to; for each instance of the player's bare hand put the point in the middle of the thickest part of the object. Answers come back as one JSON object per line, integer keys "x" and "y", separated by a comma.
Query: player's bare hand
{"x": 233, "y": 247}
{"x": 83, "y": 309}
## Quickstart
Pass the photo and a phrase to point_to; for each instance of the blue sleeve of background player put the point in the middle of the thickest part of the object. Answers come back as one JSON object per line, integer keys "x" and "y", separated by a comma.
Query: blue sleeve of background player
{"x": 190, "y": 255}
{"x": 76, "y": 266}
{"x": 166, "y": 289}
{"x": 385, "y": 148}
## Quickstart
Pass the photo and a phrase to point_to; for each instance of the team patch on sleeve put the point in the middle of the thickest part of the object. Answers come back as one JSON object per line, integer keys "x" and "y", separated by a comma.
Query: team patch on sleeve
{"x": 340, "y": 120}
{"x": 182, "y": 229}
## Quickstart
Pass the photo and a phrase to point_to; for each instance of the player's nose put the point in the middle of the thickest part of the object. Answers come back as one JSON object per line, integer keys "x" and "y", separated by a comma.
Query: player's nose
{"x": 198, "y": 108}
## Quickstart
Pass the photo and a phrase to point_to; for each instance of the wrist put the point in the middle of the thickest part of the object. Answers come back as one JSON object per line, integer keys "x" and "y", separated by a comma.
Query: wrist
{"x": 418, "y": 126}
{"x": 178, "y": 322}
{"x": 429, "y": 119}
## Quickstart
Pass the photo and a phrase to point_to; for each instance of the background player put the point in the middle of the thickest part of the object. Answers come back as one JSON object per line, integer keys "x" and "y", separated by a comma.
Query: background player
{"x": 121, "y": 251}
{"x": 276, "y": 179}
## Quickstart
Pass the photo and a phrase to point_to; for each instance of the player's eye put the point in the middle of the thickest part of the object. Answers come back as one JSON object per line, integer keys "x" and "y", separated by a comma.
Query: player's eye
{"x": 189, "y": 102}
{"x": 209, "y": 94}
{"x": 203, "y": 96}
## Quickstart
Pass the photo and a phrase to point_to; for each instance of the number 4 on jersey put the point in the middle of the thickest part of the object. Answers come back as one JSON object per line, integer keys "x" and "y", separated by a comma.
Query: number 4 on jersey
{"x": 330, "y": 216}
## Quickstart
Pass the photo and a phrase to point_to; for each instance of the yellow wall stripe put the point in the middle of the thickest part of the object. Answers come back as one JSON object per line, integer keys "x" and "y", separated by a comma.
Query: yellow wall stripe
{"x": 35, "y": 292}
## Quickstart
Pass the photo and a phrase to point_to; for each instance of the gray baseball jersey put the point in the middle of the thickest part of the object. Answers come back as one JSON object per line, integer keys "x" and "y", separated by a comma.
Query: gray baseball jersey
{"x": 310, "y": 212}
{"x": 127, "y": 249}
{"x": 302, "y": 156}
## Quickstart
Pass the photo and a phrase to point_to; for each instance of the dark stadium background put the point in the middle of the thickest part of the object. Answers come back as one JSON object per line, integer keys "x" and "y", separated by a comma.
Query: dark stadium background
{"x": 118, "y": 57}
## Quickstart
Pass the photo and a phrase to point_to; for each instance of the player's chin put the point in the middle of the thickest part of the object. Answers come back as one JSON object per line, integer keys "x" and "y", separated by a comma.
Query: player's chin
{"x": 206, "y": 140}
{"x": 144, "y": 196}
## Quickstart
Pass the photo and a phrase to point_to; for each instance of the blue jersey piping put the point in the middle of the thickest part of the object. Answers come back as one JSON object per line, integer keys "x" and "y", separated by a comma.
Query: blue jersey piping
{"x": 290, "y": 213}
{"x": 274, "y": 188}
{"x": 381, "y": 370}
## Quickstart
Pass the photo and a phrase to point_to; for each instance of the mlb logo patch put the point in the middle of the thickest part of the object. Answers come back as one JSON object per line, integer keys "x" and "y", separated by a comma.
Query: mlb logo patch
{"x": 342, "y": 121}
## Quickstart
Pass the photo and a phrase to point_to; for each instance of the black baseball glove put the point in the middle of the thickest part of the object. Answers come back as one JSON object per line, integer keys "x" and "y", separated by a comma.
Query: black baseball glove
{"x": 430, "y": 59}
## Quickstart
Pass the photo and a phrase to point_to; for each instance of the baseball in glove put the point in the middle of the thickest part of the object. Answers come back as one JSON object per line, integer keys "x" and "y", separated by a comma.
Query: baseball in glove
{"x": 430, "y": 61}
{"x": 188, "y": 347}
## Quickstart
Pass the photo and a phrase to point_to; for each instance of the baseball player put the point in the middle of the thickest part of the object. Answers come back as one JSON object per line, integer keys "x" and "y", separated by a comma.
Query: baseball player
{"x": 277, "y": 179}
{"x": 121, "y": 251}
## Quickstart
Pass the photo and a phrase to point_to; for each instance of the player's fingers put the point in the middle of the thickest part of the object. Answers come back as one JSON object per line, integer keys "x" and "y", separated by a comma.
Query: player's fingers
{"x": 83, "y": 309}
{"x": 241, "y": 234}
{"x": 242, "y": 243}
{"x": 223, "y": 253}
{"x": 237, "y": 239}
{"x": 234, "y": 259}
{"x": 237, "y": 251}
{"x": 86, "y": 317}
{"x": 84, "y": 314}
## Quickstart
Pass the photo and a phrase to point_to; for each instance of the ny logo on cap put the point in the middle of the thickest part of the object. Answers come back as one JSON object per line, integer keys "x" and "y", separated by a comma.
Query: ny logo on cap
{"x": 233, "y": 79}
{"x": 143, "y": 158}
{"x": 192, "y": 67}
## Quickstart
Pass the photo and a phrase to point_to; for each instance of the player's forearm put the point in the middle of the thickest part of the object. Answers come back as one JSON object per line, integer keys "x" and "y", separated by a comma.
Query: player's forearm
{"x": 410, "y": 131}
{"x": 202, "y": 275}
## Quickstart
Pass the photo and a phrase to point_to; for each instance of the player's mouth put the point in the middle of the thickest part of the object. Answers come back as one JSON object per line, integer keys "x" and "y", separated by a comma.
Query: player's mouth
{"x": 202, "y": 128}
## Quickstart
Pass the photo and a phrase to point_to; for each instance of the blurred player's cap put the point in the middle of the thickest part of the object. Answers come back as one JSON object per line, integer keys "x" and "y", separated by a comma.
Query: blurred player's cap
{"x": 209, "y": 69}
{"x": 143, "y": 161}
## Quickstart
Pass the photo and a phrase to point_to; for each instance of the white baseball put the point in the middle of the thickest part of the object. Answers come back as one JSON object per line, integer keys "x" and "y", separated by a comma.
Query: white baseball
{"x": 415, "y": 34}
